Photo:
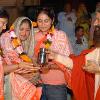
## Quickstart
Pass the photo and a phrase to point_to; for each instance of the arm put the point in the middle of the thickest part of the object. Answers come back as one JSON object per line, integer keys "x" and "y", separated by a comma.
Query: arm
{"x": 21, "y": 68}
{"x": 10, "y": 68}
{"x": 64, "y": 60}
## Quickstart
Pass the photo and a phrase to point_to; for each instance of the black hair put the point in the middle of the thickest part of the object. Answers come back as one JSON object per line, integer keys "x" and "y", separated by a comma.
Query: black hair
{"x": 78, "y": 28}
{"x": 3, "y": 13}
{"x": 48, "y": 11}
{"x": 27, "y": 21}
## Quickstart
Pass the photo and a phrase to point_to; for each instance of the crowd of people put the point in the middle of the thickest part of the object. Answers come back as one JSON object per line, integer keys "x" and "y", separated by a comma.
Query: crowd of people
{"x": 72, "y": 55}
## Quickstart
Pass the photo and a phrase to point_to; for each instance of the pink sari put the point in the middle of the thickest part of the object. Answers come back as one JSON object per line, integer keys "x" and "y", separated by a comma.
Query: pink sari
{"x": 21, "y": 88}
{"x": 61, "y": 45}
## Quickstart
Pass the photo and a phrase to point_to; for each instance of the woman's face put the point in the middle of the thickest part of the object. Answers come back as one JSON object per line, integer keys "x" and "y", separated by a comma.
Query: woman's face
{"x": 24, "y": 31}
{"x": 44, "y": 22}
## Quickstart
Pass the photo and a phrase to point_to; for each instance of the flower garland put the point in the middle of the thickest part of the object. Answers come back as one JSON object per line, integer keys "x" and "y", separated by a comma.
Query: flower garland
{"x": 48, "y": 40}
{"x": 16, "y": 43}
{"x": 49, "y": 35}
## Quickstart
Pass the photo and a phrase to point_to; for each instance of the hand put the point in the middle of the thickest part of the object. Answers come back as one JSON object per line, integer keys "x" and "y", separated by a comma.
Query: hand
{"x": 25, "y": 65}
{"x": 50, "y": 55}
{"x": 27, "y": 70}
{"x": 28, "y": 74}
{"x": 28, "y": 66}
{"x": 92, "y": 67}
{"x": 35, "y": 62}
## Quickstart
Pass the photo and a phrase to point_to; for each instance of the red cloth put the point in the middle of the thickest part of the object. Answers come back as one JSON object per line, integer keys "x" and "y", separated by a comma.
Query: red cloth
{"x": 98, "y": 94}
{"x": 82, "y": 82}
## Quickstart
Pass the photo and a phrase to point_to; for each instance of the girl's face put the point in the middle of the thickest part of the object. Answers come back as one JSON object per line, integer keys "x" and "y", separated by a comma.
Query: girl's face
{"x": 24, "y": 31}
{"x": 44, "y": 22}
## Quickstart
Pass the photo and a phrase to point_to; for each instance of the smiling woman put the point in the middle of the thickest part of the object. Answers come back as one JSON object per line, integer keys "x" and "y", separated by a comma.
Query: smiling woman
{"x": 54, "y": 88}
{"x": 18, "y": 46}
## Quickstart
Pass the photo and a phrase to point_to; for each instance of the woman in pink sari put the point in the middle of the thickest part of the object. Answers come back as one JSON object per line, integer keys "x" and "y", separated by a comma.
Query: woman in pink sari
{"x": 18, "y": 47}
{"x": 46, "y": 36}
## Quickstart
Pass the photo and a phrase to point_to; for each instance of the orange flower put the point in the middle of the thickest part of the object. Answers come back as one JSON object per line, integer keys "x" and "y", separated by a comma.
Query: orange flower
{"x": 34, "y": 24}
{"x": 51, "y": 31}
{"x": 25, "y": 58}
{"x": 16, "y": 42}
{"x": 12, "y": 27}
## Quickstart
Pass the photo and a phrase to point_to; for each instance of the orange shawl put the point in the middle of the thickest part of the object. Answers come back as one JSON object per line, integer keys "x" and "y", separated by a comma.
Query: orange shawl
{"x": 82, "y": 82}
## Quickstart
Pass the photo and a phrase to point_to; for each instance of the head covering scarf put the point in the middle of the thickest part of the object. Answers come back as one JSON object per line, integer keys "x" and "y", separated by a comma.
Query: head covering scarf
{"x": 28, "y": 44}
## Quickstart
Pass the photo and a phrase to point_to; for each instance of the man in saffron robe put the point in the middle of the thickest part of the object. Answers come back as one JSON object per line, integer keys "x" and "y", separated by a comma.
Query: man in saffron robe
{"x": 82, "y": 83}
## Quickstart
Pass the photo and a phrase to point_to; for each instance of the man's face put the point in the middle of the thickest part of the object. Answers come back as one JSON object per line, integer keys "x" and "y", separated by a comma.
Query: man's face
{"x": 97, "y": 21}
{"x": 3, "y": 23}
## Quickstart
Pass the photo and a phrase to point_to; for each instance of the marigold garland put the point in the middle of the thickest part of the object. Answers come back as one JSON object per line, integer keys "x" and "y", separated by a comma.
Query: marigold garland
{"x": 25, "y": 58}
{"x": 49, "y": 35}
{"x": 16, "y": 43}
{"x": 34, "y": 24}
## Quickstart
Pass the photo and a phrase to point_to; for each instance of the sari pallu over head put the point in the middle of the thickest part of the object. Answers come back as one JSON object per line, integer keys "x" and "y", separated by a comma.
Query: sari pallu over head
{"x": 29, "y": 43}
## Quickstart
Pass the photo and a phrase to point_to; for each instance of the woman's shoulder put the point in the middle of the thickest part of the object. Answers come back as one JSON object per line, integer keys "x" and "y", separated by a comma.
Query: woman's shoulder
{"x": 60, "y": 32}
{"x": 5, "y": 34}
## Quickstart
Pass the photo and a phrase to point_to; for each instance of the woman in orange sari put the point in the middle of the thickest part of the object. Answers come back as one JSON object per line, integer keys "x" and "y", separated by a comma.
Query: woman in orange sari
{"x": 46, "y": 36}
{"x": 17, "y": 62}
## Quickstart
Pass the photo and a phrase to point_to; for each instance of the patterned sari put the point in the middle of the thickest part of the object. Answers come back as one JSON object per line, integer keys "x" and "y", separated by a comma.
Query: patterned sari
{"x": 61, "y": 45}
{"x": 17, "y": 87}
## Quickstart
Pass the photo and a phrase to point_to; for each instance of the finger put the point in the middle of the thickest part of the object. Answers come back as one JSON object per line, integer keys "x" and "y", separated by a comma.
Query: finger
{"x": 26, "y": 63}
